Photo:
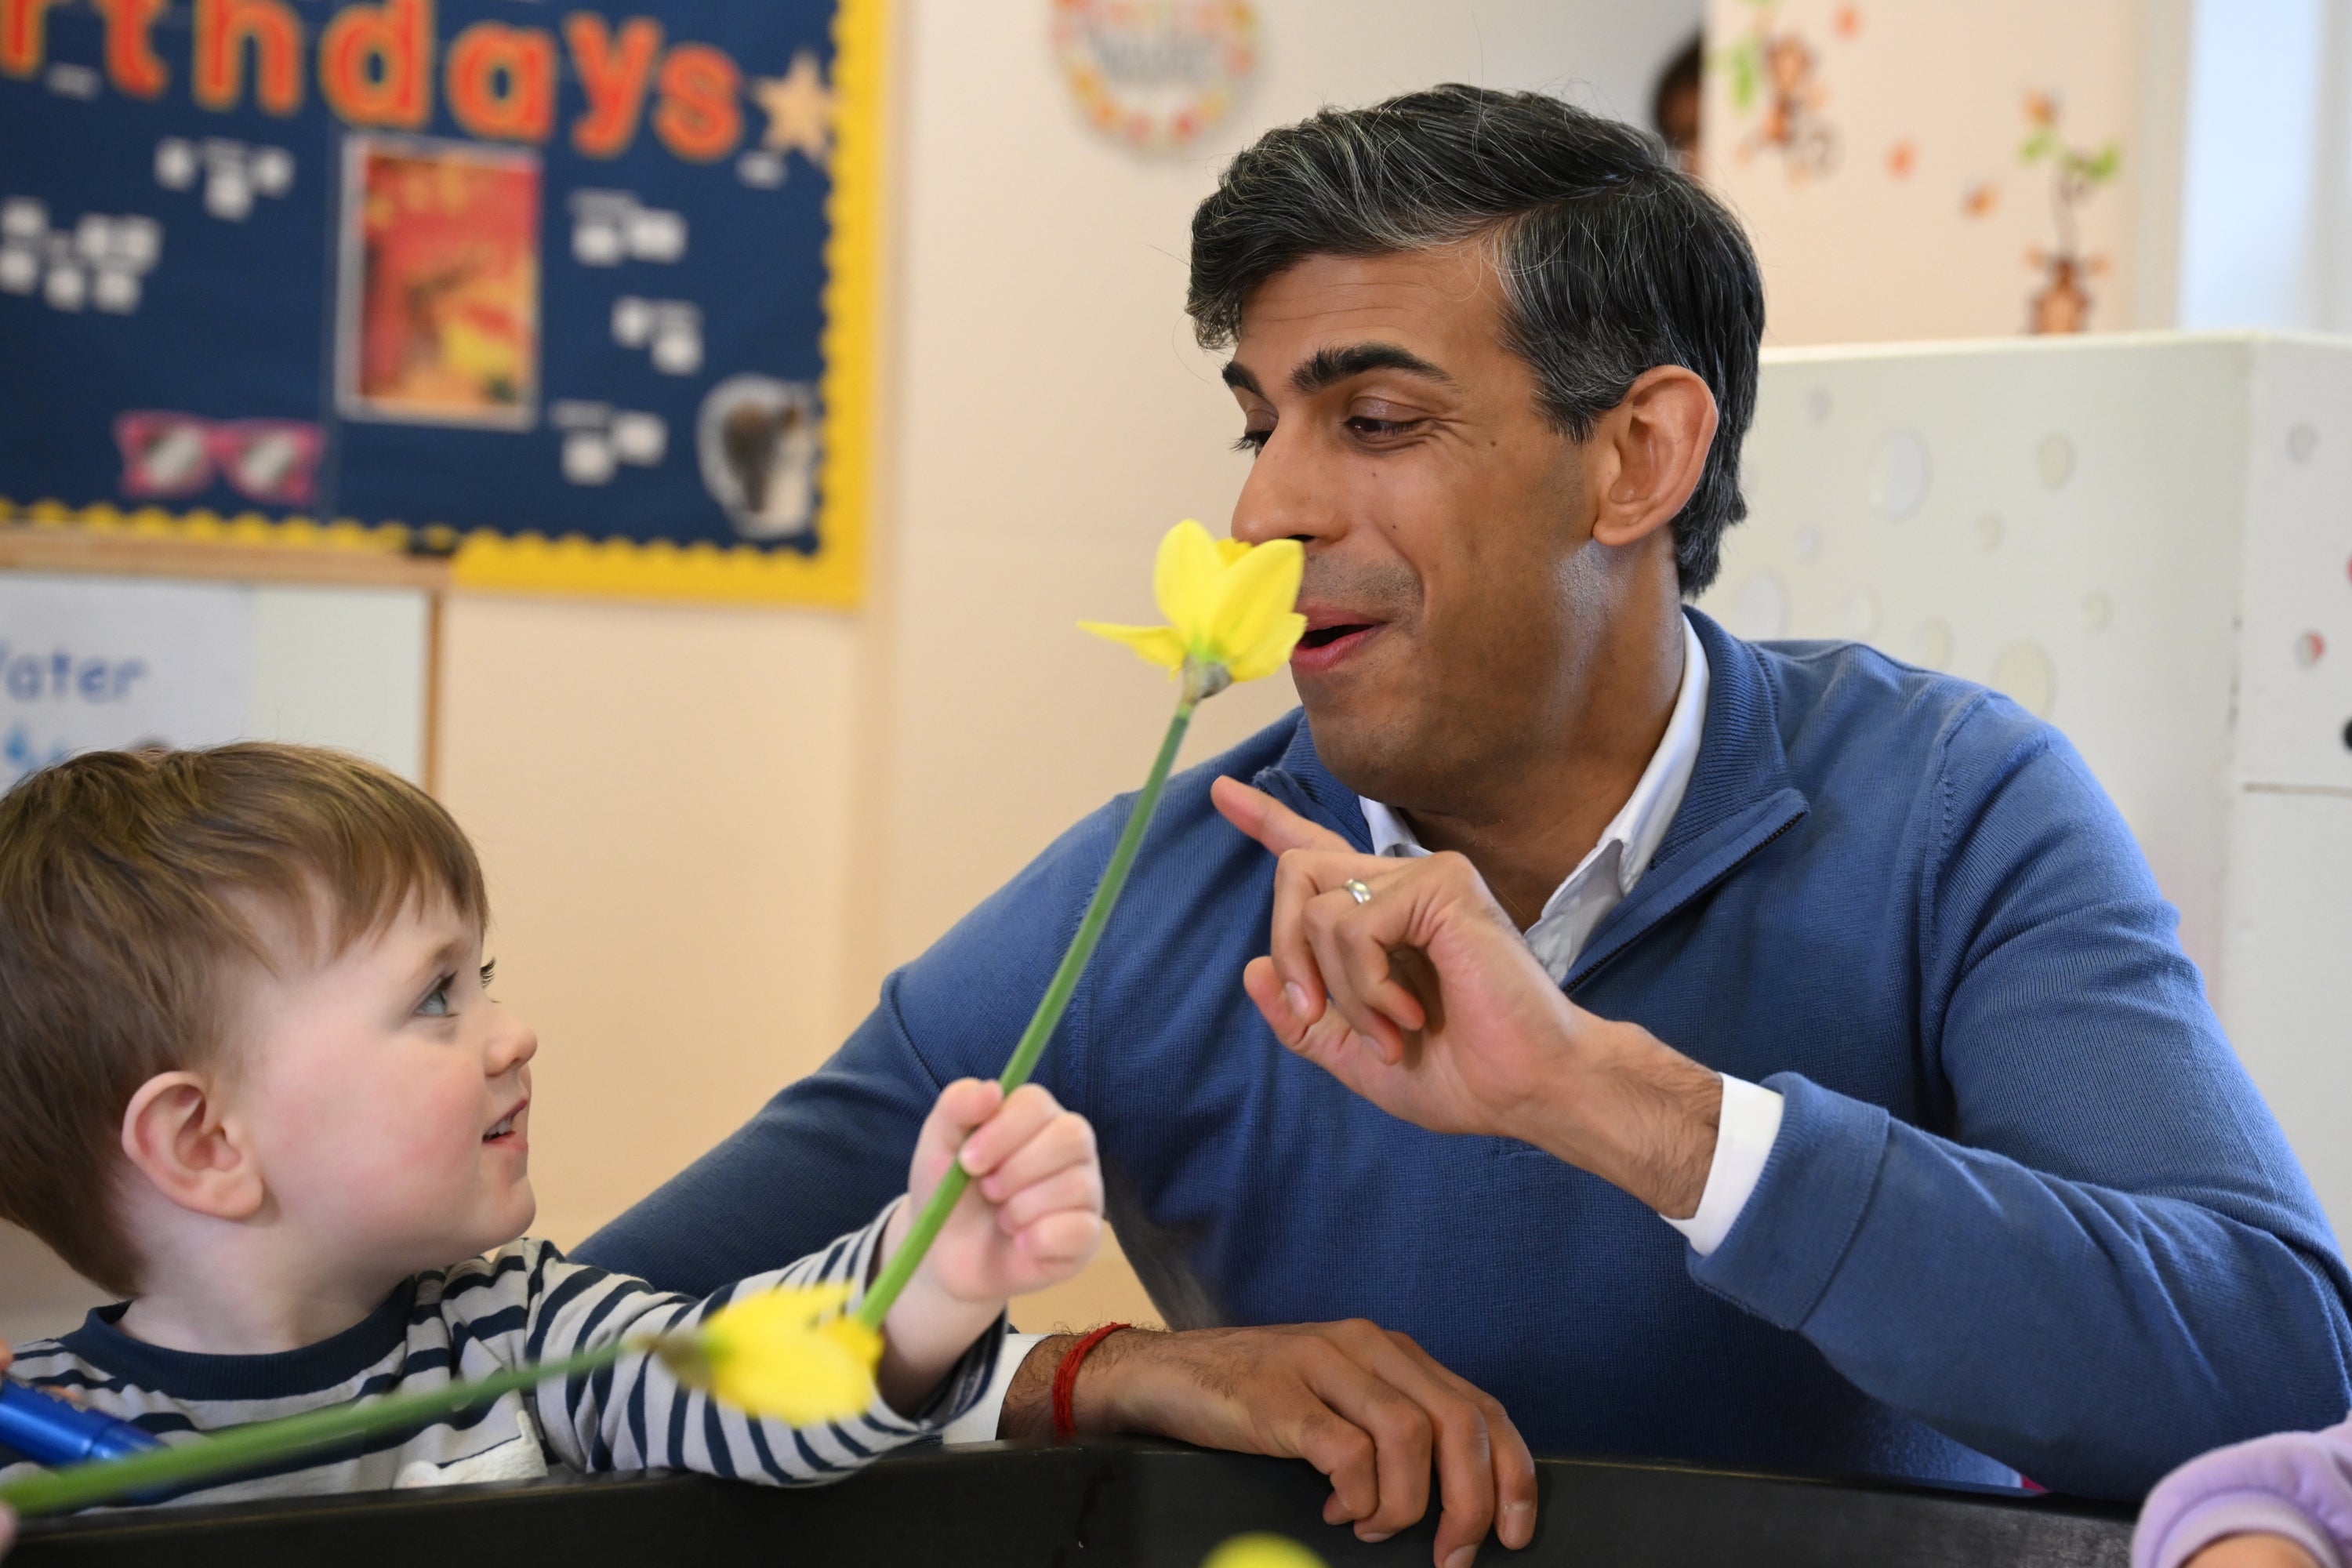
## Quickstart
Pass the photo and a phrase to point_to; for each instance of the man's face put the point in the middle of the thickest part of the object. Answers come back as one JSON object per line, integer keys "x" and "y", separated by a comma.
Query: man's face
{"x": 1450, "y": 592}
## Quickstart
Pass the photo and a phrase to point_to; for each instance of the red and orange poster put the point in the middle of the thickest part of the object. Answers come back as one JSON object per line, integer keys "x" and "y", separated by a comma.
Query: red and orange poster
{"x": 440, "y": 257}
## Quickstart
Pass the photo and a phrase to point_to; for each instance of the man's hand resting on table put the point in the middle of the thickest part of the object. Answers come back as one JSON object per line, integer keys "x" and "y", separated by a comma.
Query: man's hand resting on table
{"x": 1427, "y": 1001}
{"x": 1368, "y": 1407}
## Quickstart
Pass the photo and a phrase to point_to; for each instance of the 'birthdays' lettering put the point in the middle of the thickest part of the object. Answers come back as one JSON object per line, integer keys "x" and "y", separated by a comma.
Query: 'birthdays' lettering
{"x": 376, "y": 67}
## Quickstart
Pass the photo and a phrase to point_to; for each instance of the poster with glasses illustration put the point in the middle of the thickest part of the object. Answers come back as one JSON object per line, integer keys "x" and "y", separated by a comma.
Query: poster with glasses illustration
{"x": 575, "y": 297}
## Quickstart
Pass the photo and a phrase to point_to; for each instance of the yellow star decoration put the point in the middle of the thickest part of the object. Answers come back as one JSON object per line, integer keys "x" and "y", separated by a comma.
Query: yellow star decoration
{"x": 781, "y": 1353}
{"x": 1228, "y": 604}
{"x": 799, "y": 108}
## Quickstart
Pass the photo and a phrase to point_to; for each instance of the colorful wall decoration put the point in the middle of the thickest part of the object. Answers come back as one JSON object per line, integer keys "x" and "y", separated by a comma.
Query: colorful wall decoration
{"x": 1155, "y": 74}
{"x": 1932, "y": 171}
{"x": 584, "y": 297}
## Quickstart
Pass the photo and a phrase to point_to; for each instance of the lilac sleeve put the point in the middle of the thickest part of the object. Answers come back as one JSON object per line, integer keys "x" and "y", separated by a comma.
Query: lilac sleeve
{"x": 2295, "y": 1484}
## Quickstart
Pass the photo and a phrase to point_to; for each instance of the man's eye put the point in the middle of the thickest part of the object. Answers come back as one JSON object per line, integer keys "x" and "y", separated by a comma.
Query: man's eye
{"x": 1252, "y": 441}
{"x": 1364, "y": 424}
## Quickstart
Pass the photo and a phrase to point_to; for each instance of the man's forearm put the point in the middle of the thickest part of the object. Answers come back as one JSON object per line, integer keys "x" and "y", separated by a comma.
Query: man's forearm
{"x": 2130, "y": 1330}
{"x": 1643, "y": 1118}
{"x": 1029, "y": 1398}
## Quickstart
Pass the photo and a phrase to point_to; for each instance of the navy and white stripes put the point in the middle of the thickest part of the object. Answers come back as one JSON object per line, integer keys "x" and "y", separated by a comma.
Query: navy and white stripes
{"x": 524, "y": 1302}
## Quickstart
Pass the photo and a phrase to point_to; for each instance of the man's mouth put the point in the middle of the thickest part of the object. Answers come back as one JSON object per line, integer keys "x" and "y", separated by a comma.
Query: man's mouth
{"x": 1330, "y": 639}
{"x": 1324, "y": 637}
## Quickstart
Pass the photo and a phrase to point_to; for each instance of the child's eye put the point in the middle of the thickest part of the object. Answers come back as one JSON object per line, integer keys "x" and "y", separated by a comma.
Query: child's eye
{"x": 489, "y": 973}
{"x": 437, "y": 1001}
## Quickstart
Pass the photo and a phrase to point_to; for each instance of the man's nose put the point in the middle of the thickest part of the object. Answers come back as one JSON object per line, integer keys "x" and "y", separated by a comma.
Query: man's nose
{"x": 1285, "y": 497}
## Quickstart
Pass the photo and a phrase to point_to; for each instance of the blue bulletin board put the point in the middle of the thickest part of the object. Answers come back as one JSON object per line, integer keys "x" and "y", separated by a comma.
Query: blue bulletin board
{"x": 585, "y": 296}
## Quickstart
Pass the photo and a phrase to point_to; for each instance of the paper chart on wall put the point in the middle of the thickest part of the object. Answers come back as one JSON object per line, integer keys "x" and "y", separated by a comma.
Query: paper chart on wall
{"x": 585, "y": 298}
{"x": 87, "y": 664}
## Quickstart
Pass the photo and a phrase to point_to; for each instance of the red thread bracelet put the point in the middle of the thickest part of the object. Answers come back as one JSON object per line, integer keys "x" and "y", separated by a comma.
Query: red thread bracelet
{"x": 1065, "y": 1380}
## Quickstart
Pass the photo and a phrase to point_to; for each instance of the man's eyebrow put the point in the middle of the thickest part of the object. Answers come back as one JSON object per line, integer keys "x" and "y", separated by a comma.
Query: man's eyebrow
{"x": 1328, "y": 366}
{"x": 1237, "y": 374}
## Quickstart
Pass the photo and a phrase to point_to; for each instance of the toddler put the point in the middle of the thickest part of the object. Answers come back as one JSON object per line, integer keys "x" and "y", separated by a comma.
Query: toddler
{"x": 252, "y": 1078}
{"x": 2281, "y": 1501}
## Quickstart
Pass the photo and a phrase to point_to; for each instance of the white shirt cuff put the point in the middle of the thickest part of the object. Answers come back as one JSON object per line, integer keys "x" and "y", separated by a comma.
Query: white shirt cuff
{"x": 1744, "y": 1133}
{"x": 978, "y": 1425}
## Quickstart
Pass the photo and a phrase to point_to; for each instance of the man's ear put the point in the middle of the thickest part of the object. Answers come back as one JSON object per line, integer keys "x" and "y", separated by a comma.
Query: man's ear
{"x": 1646, "y": 455}
{"x": 175, "y": 1133}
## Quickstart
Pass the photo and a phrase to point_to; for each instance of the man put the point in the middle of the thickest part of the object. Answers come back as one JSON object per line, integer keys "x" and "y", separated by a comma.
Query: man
{"x": 1846, "y": 972}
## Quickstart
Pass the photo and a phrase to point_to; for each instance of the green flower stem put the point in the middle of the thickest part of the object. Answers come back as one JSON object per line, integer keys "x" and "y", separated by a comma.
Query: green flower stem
{"x": 263, "y": 1443}
{"x": 1050, "y": 1007}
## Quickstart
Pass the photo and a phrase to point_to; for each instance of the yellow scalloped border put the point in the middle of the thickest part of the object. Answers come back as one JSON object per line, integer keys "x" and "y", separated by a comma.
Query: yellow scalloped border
{"x": 204, "y": 527}
{"x": 658, "y": 569}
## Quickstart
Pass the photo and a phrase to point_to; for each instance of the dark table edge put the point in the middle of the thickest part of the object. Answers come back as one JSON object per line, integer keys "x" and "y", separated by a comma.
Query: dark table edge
{"x": 1095, "y": 1460}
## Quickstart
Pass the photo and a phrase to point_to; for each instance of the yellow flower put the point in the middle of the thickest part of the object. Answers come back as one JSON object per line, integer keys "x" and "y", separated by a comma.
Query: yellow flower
{"x": 1229, "y": 606}
{"x": 1260, "y": 1550}
{"x": 781, "y": 1353}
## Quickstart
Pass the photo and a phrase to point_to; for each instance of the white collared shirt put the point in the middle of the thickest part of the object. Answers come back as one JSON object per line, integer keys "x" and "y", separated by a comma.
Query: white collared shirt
{"x": 1751, "y": 1119}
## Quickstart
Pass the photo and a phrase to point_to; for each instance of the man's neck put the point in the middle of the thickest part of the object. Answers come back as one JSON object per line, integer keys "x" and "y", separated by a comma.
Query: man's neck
{"x": 1534, "y": 820}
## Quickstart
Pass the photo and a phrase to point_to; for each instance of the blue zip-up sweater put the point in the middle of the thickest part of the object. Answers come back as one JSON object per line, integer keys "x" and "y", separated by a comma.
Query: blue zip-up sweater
{"x": 2024, "y": 1210}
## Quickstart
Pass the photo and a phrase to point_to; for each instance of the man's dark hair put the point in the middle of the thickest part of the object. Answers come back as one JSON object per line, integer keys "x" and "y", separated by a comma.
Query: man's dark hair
{"x": 1612, "y": 259}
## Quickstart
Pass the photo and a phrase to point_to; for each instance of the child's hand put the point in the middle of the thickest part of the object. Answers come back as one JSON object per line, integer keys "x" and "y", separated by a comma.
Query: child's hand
{"x": 2252, "y": 1552}
{"x": 1032, "y": 1217}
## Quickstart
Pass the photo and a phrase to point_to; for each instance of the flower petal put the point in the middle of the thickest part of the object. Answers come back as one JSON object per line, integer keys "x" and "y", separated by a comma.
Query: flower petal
{"x": 1155, "y": 644}
{"x": 1270, "y": 652}
{"x": 769, "y": 1355}
{"x": 1184, "y": 579}
{"x": 811, "y": 1378}
{"x": 1258, "y": 1550}
{"x": 1252, "y": 594}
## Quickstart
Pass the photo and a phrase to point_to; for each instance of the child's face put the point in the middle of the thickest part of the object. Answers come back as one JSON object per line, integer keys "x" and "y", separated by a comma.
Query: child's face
{"x": 385, "y": 1095}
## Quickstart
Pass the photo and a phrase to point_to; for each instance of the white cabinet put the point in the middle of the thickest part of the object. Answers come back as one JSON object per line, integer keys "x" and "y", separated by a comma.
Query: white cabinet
{"x": 2146, "y": 538}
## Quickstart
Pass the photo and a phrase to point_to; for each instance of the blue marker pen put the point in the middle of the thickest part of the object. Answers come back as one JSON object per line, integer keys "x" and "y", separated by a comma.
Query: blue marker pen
{"x": 55, "y": 1432}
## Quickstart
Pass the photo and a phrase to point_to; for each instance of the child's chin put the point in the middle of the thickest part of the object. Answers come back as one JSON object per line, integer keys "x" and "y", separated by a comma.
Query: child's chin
{"x": 511, "y": 1222}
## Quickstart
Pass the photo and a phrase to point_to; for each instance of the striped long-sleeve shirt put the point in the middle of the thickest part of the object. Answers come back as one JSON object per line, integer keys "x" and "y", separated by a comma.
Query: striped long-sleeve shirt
{"x": 521, "y": 1303}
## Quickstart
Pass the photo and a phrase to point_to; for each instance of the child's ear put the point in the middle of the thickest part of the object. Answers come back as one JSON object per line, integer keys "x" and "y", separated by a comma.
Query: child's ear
{"x": 175, "y": 1134}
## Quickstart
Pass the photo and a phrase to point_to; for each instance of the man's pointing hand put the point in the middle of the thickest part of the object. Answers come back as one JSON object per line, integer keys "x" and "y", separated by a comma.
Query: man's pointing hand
{"x": 1406, "y": 982}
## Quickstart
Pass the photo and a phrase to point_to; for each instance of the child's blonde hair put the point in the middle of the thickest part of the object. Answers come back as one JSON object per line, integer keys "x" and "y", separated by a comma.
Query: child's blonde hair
{"x": 129, "y": 883}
